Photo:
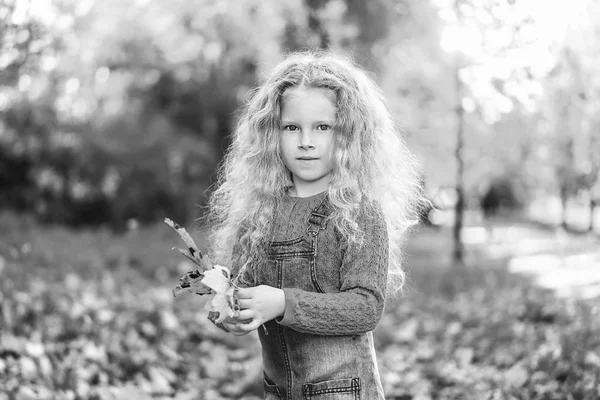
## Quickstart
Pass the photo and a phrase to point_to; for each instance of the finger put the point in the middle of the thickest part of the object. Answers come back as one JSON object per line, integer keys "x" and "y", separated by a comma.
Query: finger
{"x": 235, "y": 320}
{"x": 245, "y": 303}
{"x": 244, "y": 293}
{"x": 246, "y": 315}
{"x": 254, "y": 324}
{"x": 230, "y": 326}
{"x": 222, "y": 327}
{"x": 231, "y": 320}
{"x": 234, "y": 329}
{"x": 242, "y": 321}
{"x": 241, "y": 333}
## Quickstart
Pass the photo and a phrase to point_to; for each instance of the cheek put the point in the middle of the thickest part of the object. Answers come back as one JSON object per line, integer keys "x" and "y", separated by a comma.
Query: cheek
{"x": 285, "y": 148}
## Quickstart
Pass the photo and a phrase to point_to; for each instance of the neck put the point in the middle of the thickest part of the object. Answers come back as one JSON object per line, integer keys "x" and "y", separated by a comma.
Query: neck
{"x": 296, "y": 191}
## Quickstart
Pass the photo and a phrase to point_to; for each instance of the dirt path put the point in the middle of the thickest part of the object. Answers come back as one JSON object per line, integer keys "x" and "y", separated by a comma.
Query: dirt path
{"x": 566, "y": 263}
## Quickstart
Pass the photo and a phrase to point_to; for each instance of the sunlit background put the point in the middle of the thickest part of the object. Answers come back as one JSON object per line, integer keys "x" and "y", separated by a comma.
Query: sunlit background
{"x": 114, "y": 115}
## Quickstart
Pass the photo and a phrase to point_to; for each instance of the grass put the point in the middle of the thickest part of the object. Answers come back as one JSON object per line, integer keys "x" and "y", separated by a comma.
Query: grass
{"x": 87, "y": 315}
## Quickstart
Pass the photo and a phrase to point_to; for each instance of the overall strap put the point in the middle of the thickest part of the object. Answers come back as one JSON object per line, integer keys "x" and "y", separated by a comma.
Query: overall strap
{"x": 319, "y": 217}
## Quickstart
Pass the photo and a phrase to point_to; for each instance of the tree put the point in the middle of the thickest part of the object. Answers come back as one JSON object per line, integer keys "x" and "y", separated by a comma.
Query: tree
{"x": 480, "y": 45}
{"x": 125, "y": 91}
{"x": 569, "y": 117}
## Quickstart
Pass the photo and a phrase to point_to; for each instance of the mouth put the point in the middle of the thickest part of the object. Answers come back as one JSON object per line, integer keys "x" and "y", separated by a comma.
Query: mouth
{"x": 306, "y": 158}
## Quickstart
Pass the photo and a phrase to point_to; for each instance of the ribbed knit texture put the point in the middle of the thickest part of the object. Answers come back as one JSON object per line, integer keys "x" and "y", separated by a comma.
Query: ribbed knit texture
{"x": 356, "y": 305}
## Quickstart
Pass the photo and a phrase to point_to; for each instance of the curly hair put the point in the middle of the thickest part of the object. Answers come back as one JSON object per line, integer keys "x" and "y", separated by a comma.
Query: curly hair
{"x": 372, "y": 163}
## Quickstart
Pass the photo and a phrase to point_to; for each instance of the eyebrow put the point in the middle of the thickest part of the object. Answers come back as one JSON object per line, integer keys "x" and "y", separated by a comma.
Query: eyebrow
{"x": 325, "y": 121}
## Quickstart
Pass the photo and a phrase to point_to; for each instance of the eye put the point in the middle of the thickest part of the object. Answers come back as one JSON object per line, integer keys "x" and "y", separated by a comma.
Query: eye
{"x": 290, "y": 128}
{"x": 323, "y": 127}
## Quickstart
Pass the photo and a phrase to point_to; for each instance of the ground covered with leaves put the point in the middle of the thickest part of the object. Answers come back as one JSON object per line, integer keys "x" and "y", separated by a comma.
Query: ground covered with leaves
{"x": 90, "y": 315}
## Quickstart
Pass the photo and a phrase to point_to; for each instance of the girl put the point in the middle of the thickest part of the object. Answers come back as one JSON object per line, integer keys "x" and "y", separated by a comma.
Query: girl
{"x": 313, "y": 198}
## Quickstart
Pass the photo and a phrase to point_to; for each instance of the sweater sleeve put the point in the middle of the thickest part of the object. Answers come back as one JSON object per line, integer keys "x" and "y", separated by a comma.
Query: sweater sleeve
{"x": 358, "y": 307}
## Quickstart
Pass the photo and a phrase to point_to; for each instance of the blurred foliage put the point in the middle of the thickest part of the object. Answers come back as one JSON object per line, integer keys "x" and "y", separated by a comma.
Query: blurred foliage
{"x": 91, "y": 315}
{"x": 123, "y": 110}
{"x": 117, "y": 110}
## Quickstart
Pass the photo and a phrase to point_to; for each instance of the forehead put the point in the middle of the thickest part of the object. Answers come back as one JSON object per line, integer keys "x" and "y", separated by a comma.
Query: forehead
{"x": 302, "y": 100}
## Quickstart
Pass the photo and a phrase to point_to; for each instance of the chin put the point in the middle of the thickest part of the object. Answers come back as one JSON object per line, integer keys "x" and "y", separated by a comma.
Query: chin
{"x": 310, "y": 179}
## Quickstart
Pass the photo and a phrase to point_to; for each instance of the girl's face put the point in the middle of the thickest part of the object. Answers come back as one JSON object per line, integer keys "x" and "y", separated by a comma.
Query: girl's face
{"x": 306, "y": 140}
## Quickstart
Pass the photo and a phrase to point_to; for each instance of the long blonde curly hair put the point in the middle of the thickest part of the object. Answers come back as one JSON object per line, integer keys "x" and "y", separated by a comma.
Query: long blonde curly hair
{"x": 372, "y": 164}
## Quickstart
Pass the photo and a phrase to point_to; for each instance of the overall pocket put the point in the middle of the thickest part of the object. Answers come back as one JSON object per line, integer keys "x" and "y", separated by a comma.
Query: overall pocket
{"x": 271, "y": 391}
{"x": 338, "y": 389}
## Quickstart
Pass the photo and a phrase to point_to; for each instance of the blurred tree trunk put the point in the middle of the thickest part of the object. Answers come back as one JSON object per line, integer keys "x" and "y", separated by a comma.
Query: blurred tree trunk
{"x": 593, "y": 191}
{"x": 567, "y": 172}
{"x": 563, "y": 207}
{"x": 458, "y": 252}
{"x": 592, "y": 207}
{"x": 593, "y": 180}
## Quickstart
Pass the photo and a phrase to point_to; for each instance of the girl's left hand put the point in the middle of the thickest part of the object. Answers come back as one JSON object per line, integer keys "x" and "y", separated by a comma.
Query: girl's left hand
{"x": 232, "y": 325}
{"x": 259, "y": 304}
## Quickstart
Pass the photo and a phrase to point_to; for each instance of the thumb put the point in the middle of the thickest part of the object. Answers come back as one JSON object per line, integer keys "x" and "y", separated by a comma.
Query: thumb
{"x": 244, "y": 293}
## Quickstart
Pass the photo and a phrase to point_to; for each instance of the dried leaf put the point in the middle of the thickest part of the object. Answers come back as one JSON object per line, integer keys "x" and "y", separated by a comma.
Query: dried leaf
{"x": 464, "y": 356}
{"x": 592, "y": 358}
{"x": 215, "y": 362}
{"x": 212, "y": 280}
{"x": 187, "y": 254}
{"x": 222, "y": 305}
{"x": 161, "y": 379}
{"x": 168, "y": 320}
{"x": 185, "y": 236}
{"x": 193, "y": 253}
{"x": 28, "y": 368}
{"x": 218, "y": 279}
{"x": 34, "y": 349}
{"x": 192, "y": 282}
{"x": 516, "y": 377}
{"x": 26, "y": 393}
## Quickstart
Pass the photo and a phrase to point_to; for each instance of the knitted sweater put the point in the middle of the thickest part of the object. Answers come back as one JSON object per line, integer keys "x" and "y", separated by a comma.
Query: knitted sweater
{"x": 353, "y": 279}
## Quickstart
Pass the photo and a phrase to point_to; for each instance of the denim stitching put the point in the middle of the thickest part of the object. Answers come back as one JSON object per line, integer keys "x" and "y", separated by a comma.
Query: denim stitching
{"x": 292, "y": 254}
{"x": 313, "y": 267}
{"x": 356, "y": 384}
{"x": 272, "y": 389}
{"x": 279, "y": 264}
{"x": 288, "y": 371}
{"x": 287, "y": 242}
{"x": 277, "y": 254}
{"x": 347, "y": 389}
{"x": 354, "y": 387}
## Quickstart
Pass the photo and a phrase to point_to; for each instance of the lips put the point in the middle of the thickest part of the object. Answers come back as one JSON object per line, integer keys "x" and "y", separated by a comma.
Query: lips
{"x": 307, "y": 158}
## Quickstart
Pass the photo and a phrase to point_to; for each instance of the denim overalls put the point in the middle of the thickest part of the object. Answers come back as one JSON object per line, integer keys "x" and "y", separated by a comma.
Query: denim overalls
{"x": 308, "y": 366}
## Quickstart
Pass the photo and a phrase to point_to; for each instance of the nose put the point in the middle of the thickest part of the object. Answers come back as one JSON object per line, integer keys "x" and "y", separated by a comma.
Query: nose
{"x": 306, "y": 141}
